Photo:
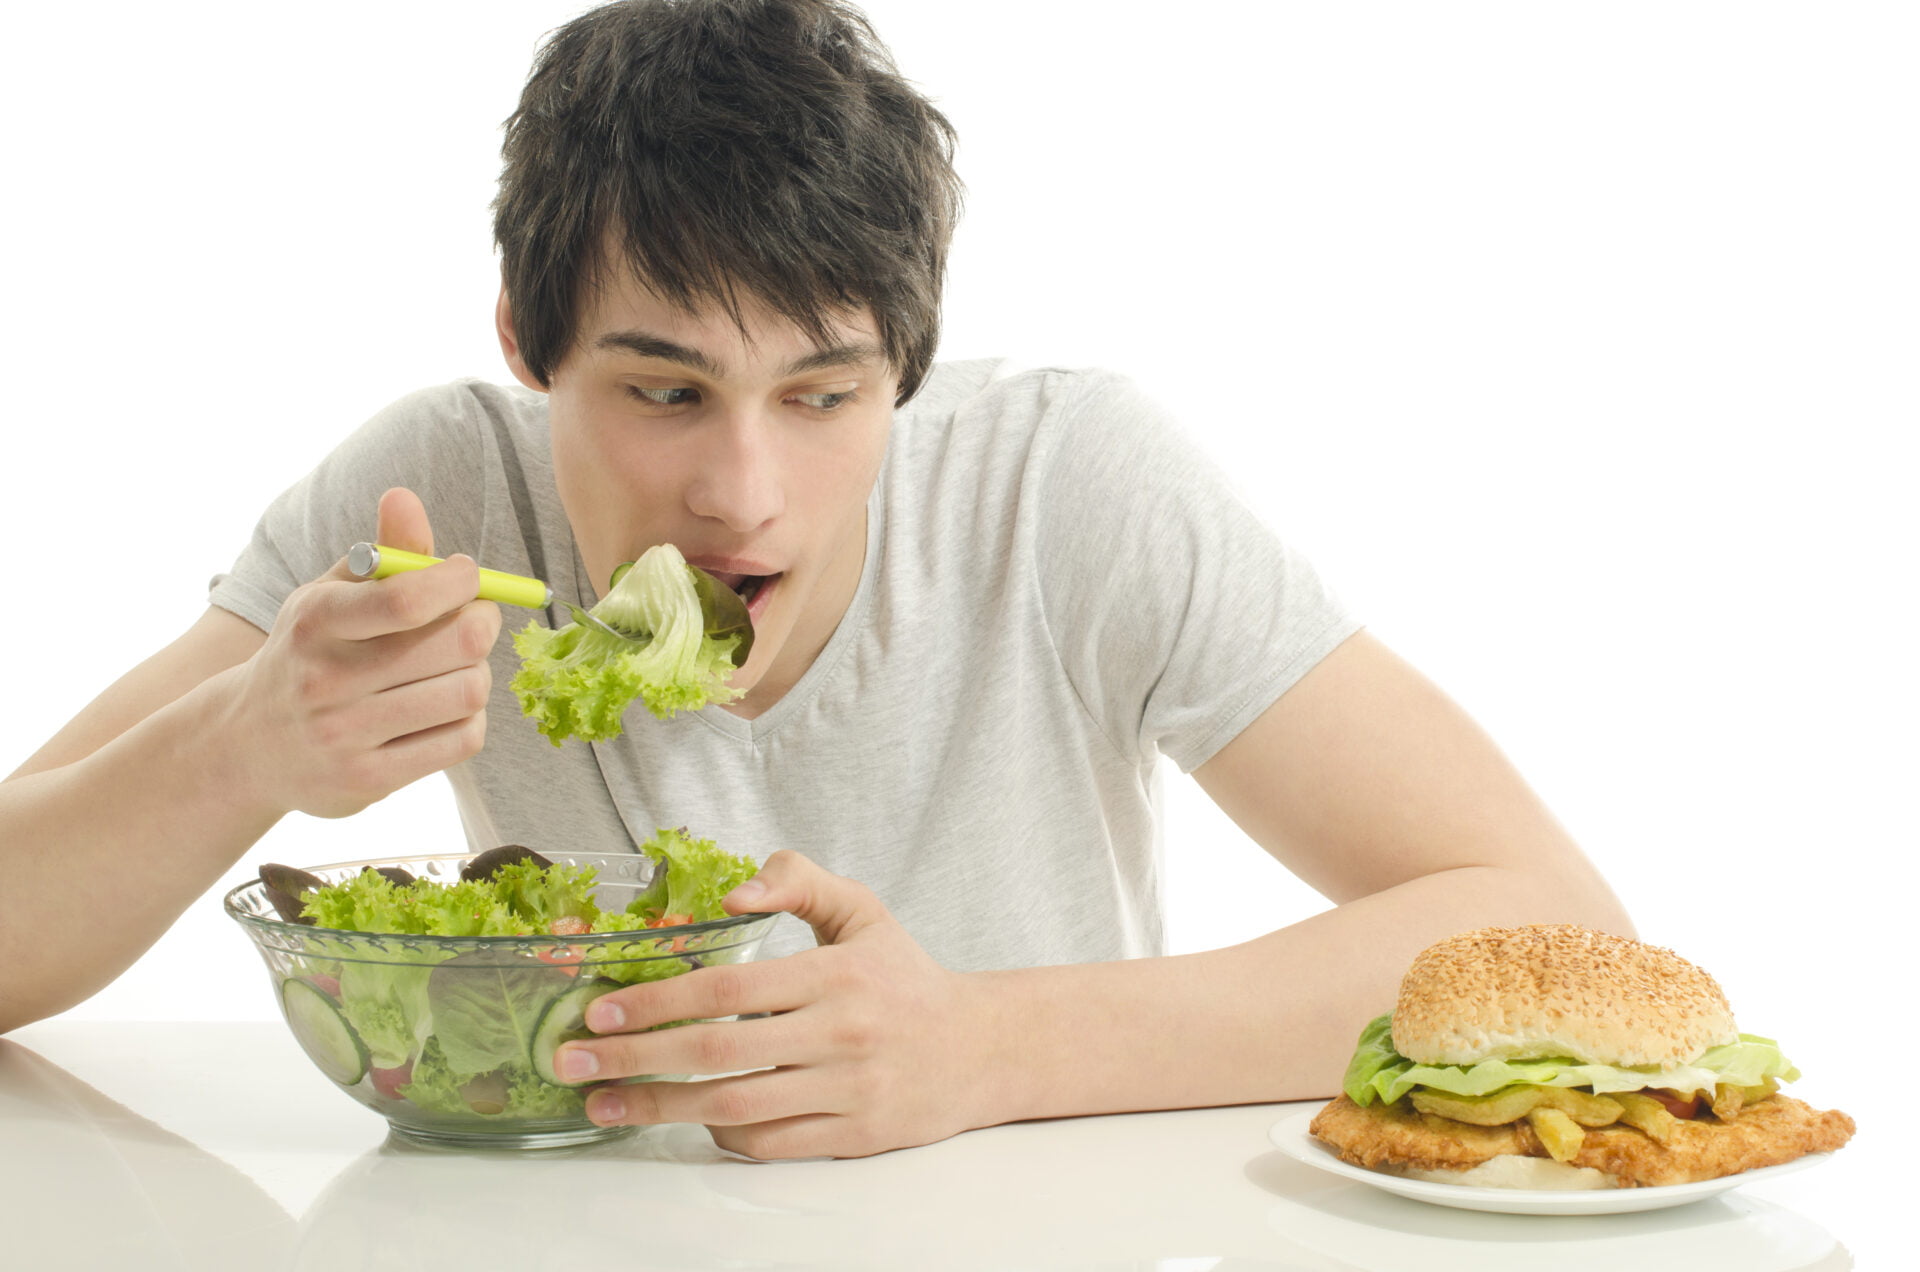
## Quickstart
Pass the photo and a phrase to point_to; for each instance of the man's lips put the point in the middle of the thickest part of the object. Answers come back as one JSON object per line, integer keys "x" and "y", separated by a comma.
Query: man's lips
{"x": 733, "y": 571}
{"x": 753, "y": 580}
{"x": 757, "y": 603}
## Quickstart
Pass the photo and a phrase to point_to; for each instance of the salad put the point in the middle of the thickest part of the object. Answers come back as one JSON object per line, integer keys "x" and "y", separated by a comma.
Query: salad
{"x": 686, "y": 633}
{"x": 402, "y": 996}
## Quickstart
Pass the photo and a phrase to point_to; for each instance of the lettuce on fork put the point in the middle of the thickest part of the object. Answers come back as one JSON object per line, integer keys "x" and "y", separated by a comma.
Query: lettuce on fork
{"x": 578, "y": 681}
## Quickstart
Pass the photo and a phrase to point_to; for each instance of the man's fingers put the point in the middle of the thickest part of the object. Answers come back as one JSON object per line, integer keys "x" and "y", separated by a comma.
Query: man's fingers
{"x": 362, "y": 610}
{"x": 407, "y": 759}
{"x": 733, "y": 1101}
{"x": 812, "y": 1135}
{"x": 463, "y": 638}
{"x": 425, "y": 704}
{"x": 403, "y": 522}
{"x": 724, "y": 1046}
{"x": 745, "y": 989}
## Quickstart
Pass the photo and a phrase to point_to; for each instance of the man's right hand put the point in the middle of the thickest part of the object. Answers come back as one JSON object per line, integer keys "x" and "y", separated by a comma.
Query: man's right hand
{"x": 364, "y": 686}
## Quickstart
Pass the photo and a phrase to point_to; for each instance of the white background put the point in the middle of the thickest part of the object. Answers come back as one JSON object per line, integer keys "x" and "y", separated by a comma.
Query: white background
{"x": 1575, "y": 343}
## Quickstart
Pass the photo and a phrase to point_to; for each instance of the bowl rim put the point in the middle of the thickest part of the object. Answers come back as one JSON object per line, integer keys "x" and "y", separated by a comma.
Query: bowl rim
{"x": 529, "y": 941}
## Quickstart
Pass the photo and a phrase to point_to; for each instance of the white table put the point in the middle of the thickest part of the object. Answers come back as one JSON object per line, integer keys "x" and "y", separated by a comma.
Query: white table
{"x": 212, "y": 1146}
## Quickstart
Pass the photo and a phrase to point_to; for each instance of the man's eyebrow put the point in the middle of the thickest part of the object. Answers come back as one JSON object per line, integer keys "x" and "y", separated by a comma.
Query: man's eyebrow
{"x": 648, "y": 345}
{"x": 651, "y": 346}
{"x": 839, "y": 355}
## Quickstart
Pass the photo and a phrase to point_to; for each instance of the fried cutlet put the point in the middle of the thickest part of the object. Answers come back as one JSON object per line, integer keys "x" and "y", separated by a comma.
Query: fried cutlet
{"x": 1768, "y": 1133}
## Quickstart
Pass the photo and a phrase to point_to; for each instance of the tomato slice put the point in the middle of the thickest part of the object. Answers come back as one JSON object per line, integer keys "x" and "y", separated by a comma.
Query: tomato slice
{"x": 1678, "y": 1105}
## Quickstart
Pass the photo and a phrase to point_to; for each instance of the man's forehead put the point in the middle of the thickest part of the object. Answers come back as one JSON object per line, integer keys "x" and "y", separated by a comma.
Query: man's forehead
{"x": 625, "y": 312}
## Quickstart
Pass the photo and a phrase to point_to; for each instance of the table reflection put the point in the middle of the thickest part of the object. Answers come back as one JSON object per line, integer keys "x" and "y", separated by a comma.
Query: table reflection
{"x": 1082, "y": 1194}
{"x": 86, "y": 1182}
{"x": 1362, "y": 1229}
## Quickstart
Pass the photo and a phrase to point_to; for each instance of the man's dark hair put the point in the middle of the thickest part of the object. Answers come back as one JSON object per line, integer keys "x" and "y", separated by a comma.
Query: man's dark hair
{"x": 733, "y": 149}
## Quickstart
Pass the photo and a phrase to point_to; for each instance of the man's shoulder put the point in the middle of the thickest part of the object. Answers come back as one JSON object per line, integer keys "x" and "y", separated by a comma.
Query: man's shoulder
{"x": 997, "y": 400}
{"x": 456, "y": 431}
{"x": 469, "y": 402}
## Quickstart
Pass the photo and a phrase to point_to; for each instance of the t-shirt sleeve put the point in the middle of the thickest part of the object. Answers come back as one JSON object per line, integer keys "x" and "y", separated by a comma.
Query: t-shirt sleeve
{"x": 1178, "y": 614}
{"x": 426, "y": 442}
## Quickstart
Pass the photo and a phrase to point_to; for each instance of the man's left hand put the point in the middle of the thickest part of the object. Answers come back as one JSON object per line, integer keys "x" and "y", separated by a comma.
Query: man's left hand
{"x": 871, "y": 1044}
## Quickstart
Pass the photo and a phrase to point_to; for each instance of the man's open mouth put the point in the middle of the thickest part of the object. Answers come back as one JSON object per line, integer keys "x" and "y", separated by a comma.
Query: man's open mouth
{"x": 746, "y": 586}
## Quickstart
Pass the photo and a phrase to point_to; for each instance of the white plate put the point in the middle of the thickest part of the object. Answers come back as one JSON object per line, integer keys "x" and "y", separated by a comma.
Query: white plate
{"x": 1290, "y": 1136}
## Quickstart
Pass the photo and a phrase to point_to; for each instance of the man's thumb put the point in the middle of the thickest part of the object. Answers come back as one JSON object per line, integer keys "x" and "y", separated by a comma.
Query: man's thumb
{"x": 403, "y": 522}
{"x": 833, "y": 906}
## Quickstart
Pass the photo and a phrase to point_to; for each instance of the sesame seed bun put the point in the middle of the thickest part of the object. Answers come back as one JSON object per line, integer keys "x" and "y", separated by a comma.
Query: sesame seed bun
{"x": 1557, "y": 990}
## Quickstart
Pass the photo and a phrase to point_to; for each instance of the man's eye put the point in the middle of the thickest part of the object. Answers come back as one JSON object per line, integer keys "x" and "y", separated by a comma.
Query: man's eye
{"x": 662, "y": 397}
{"x": 823, "y": 401}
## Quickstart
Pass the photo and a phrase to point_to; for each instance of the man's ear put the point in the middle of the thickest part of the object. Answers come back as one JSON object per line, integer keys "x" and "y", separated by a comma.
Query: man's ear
{"x": 510, "y": 343}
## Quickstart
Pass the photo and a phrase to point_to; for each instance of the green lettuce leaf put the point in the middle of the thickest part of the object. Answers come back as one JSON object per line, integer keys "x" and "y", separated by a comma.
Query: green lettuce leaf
{"x": 370, "y": 902}
{"x": 485, "y": 1007}
{"x": 577, "y": 681}
{"x": 537, "y": 895}
{"x": 386, "y": 1003}
{"x": 632, "y": 962}
{"x": 436, "y": 1084}
{"x": 1378, "y": 1072}
{"x": 693, "y": 876}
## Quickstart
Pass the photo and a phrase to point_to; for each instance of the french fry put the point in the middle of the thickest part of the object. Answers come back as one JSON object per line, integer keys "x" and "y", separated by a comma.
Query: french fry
{"x": 1646, "y": 1114}
{"x": 1516, "y": 1102}
{"x": 1497, "y": 1109}
{"x": 1560, "y": 1133}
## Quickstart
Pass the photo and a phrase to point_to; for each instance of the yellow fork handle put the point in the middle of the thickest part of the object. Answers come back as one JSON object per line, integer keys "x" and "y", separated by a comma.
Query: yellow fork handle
{"x": 374, "y": 561}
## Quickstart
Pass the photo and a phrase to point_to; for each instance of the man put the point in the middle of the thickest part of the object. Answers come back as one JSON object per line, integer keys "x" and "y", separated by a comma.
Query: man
{"x": 985, "y": 602}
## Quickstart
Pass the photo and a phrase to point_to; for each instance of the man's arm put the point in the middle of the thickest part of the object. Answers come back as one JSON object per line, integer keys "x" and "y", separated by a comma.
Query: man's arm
{"x": 114, "y": 827}
{"x": 1376, "y": 789}
{"x": 146, "y": 797}
{"x": 1363, "y": 778}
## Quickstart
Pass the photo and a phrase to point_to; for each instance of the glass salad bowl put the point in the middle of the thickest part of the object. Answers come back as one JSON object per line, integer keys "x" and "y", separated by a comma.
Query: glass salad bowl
{"x": 451, "y": 1038}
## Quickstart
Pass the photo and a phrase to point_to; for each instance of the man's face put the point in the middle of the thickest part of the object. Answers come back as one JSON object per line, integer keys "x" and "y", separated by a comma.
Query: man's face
{"x": 753, "y": 453}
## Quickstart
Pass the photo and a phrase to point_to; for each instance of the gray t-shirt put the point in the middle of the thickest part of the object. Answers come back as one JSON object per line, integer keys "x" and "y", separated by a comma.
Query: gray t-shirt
{"x": 1058, "y": 589}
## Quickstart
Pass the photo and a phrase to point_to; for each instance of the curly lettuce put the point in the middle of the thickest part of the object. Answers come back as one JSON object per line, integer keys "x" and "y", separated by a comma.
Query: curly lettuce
{"x": 370, "y": 902}
{"x": 1378, "y": 1072}
{"x": 578, "y": 681}
{"x": 438, "y": 1086}
{"x": 691, "y": 878}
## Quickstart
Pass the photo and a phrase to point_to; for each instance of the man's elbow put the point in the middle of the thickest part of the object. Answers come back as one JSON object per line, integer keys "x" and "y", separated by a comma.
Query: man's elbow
{"x": 1578, "y": 896}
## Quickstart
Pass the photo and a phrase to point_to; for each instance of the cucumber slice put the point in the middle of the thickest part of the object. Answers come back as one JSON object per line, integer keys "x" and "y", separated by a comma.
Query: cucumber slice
{"x": 323, "y": 1032}
{"x": 565, "y": 1020}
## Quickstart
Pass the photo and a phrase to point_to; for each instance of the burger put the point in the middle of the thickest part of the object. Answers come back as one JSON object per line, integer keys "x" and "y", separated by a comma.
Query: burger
{"x": 1559, "y": 1057}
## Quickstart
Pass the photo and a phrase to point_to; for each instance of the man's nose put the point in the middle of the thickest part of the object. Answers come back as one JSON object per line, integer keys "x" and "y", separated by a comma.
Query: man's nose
{"x": 740, "y": 481}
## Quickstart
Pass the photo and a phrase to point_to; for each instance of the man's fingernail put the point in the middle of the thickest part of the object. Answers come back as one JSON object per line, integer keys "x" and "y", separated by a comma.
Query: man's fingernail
{"x": 577, "y": 1062}
{"x": 604, "y": 1016}
{"x": 747, "y": 893}
{"x": 606, "y": 1106}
